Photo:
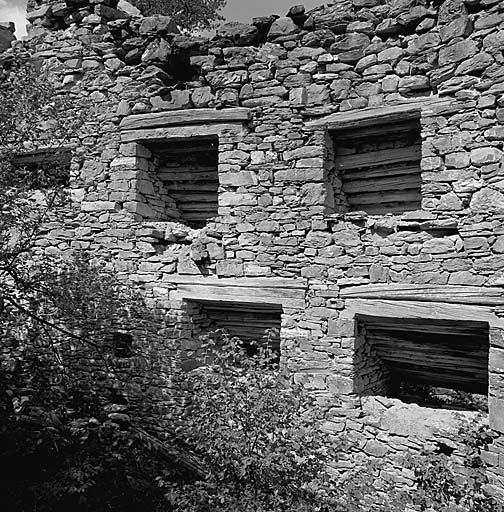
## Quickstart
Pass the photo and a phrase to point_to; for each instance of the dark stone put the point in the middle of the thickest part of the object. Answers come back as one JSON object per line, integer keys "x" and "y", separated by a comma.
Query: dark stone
{"x": 77, "y": 3}
{"x": 398, "y": 7}
{"x": 159, "y": 50}
{"x": 451, "y": 10}
{"x": 461, "y": 27}
{"x": 263, "y": 24}
{"x": 458, "y": 52}
{"x": 351, "y": 41}
{"x": 360, "y": 4}
{"x": 240, "y": 34}
{"x": 388, "y": 27}
{"x": 475, "y": 65}
{"x": 320, "y": 38}
{"x": 334, "y": 17}
{"x": 158, "y": 24}
{"x": 6, "y": 36}
{"x": 297, "y": 14}
{"x": 410, "y": 19}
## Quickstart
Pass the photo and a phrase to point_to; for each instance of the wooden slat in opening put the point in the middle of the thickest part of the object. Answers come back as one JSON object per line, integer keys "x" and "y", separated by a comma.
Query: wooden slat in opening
{"x": 468, "y": 383}
{"x": 189, "y": 170}
{"x": 249, "y": 322}
{"x": 380, "y": 198}
{"x": 378, "y": 158}
{"x": 400, "y": 129}
{"x": 410, "y": 168}
{"x": 452, "y": 354}
{"x": 393, "y": 183}
{"x": 379, "y": 166}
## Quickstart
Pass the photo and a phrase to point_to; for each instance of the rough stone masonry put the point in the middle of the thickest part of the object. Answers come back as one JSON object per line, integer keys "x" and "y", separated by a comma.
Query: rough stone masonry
{"x": 336, "y": 175}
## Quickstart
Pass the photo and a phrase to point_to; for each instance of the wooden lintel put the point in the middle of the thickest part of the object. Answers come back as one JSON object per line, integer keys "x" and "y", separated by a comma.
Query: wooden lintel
{"x": 374, "y": 115}
{"x": 184, "y": 117}
{"x": 427, "y": 293}
{"x": 239, "y": 282}
{"x": 264, "y": 291}
{"x": 421, "y": 310}
{"x": 182, "y": 132}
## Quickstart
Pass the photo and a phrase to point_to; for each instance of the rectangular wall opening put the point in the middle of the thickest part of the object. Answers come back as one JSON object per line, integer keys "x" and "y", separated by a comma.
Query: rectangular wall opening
{"x": 435, "y": 363}
{"x": 45, "y": 169}
{"x": 188, "y": 169}
{"x": 379, "y": 166}
{"x": 256, "y": 325}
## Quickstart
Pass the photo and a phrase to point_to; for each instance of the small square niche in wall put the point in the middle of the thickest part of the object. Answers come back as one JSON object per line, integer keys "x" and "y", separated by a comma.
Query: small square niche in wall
{"x": 122, "y": 344}
{"x": 379, "y": 166}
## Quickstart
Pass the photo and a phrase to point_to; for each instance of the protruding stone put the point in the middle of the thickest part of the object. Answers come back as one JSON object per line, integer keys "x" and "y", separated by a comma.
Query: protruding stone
{"x": 240, "y": 34}
{"x": 387, "y": 27}
{"x": 487, "y": 199}
{"x": 486, "y": 155}
{"x": 460, "y": 27}
{"x": 457, "y": 52}
{"x": 450, "y": 10}
{"x": 282, "y": 27}
{"x": 158, "y": 25}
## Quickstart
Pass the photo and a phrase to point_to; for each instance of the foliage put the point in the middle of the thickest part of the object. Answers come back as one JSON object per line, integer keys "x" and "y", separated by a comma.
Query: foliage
{"x": 62, "y": 451}
{"x": 440, "y": 489}
{"x": 256, "y": 435}
{"x": 60, "y": 447}
{"x": 188, "y": 14}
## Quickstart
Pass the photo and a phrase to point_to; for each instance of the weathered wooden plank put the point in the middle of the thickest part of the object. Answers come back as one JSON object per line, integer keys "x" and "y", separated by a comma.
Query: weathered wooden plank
{"x": 427, "y": 326}
{"x": 204, "y": 294}
{"x": 190, "y": 188}
{"x": 173, "y": 149}
{"x": 377, "y": 158}
{"x": 408, "y": 182}
{"x": 419, "y": 309}
{"x": 182, "y": 132}
{"x": 383, "y": 209}
{"x": 425, "y": 292}
{"x": 411, "y": 197}
{"x": 447, "y": 379}
{"x": 243, "y": 282}
{"x": 370, "y": 173}
{"x": 378, "y": 115}
{"x": 193, "y": 199}
{"x": 430, "y": 347}
{"x": 184, "y": 117}
{"x": 189, "y": 170}
{"x": 351, "y": 136}
{"x": 233, "y": 291}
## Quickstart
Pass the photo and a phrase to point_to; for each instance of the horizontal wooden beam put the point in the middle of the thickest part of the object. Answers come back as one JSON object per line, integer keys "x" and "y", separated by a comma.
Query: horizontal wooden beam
{"x": 244, "y": 282}
{"x": 182, "y": 132}
{"x": 404, "y": 308}
{"x": 424, "y": 292}
{"x": 374, "y": 159}
{"x": 185, "y": 117}
{"x": 375, "y": 115}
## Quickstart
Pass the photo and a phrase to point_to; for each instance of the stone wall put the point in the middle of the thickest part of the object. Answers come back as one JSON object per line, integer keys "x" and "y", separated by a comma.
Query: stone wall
{"x": 276, "y": 93}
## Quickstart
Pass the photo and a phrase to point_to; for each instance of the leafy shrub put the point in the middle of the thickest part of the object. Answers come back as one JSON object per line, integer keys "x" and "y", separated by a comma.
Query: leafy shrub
{"x": 257, "y": 436}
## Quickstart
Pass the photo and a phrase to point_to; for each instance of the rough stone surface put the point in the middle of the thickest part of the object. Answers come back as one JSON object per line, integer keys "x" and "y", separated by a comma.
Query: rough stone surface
{"x": 282, "y": 230}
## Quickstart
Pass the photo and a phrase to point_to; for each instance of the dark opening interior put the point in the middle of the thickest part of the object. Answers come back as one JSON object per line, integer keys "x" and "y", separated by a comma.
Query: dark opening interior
{"x": 123, "y": 344}
{"x": 45, "y": 168}
{"x": 440, "y": 363}
{"x": 189, "y": 170}
{"x": 379, "y": 166}
{"x": 256, "y": 325}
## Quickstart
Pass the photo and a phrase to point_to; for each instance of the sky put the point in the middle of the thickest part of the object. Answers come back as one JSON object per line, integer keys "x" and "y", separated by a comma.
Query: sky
{"x": 235, "y": 10}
